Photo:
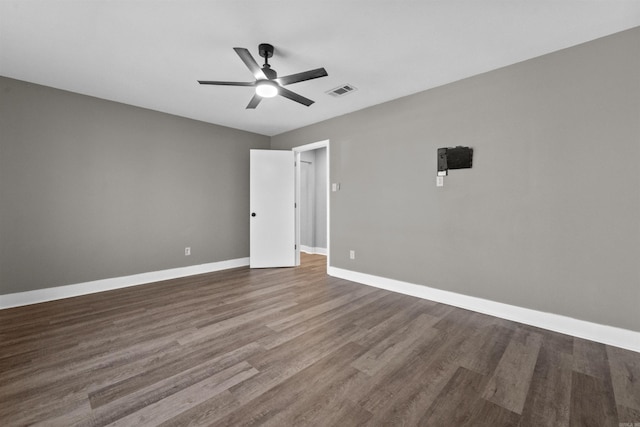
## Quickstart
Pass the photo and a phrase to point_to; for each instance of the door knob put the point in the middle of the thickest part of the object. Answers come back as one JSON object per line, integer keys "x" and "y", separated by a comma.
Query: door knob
{"x": 253, "y": 214}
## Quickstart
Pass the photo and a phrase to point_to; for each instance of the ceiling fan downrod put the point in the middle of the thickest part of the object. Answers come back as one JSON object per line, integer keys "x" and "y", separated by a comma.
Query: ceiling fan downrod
{"x": 266, "y": 50}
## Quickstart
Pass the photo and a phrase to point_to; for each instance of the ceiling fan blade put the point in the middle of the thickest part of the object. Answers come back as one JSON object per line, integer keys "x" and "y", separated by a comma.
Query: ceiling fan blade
{"x": 210, "y": 82}
{"x": 254, "y": 102}
{"x": 294, "y": 96}
{"x": 300, "y": 77}
{"x": 251, "y": 63}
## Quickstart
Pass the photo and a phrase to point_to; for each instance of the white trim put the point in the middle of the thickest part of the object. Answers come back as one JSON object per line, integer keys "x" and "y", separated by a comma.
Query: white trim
{"x": 610, "y": 335}
{"x": 312, "y": 146}
{"x": 312, "y": 250}
{"x": 67, "y": 291}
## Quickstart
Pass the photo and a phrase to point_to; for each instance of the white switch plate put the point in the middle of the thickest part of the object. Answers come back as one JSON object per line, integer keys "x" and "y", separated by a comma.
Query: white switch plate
{"x": 439, "y": 181}
{"x": 352, "y": 254}
{"x": 187, "y": 251}
{"x": 335, "y": 186}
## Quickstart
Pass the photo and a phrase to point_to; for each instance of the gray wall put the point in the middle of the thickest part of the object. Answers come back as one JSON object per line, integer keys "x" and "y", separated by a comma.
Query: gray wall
{"x": 548, "y": 218}
{"x": 92, "y": 189}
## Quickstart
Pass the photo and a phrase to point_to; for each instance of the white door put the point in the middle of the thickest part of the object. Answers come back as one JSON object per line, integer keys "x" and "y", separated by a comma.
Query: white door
{"x": 272, "y": 211}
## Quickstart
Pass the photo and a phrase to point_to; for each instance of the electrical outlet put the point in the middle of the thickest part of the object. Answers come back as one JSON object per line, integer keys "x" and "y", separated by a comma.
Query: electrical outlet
{"x": 187, "y": 251}
{"x": 352, "y": 254}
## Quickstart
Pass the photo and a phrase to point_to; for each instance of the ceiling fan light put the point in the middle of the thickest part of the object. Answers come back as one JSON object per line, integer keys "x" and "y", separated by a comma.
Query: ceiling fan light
{"x": 267, "y": 89}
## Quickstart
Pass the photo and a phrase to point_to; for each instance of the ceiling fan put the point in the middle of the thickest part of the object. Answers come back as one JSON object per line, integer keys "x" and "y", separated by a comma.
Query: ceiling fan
{"x": 267, "y": 83}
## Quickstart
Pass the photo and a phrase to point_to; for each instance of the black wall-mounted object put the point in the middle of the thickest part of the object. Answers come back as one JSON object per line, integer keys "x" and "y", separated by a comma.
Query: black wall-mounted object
{"x": 454, "y": 158}
{"x": 442, "y": 161}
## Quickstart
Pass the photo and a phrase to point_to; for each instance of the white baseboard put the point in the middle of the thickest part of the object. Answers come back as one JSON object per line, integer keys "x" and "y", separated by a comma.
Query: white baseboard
{"x": 60, "y": 292}
{"x": 610, "y": 335}
{"x": 312, "y": 250}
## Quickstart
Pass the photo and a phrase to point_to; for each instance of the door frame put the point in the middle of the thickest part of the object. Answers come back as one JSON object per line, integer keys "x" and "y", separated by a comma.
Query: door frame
{"x": 297, "y": 151}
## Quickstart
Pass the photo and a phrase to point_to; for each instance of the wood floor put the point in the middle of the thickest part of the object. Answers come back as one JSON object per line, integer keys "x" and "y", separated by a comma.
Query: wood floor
{"x": 286, "y": 347}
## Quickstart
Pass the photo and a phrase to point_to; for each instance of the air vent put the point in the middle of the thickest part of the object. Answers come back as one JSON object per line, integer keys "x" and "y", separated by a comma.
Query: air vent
{"x": 341, "y": 90}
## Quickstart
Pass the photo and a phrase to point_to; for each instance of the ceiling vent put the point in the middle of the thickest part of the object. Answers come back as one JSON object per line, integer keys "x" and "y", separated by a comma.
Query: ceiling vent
{"x": 341, "y": 90}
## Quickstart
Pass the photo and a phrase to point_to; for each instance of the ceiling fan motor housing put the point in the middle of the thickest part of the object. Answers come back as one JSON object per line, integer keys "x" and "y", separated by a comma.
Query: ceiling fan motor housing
{"x": 265, "y": 50}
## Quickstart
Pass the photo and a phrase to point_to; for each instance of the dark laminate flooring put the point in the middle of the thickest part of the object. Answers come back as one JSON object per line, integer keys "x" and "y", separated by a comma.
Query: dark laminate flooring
{"x": 284, "y": 347}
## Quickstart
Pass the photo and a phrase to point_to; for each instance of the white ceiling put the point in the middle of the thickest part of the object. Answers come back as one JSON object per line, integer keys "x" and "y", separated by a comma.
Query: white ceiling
{"x": 150, "y": 53}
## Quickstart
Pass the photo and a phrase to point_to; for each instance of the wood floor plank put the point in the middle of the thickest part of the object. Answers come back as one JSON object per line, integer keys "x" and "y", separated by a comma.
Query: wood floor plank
{"x": 106, "y": 411}
{"x": 488, "y": 414}
{"x": 590, "y": 358}
{"x": 628, "y": 416}
{"x": 588, "y": 409}
{"x": 625, "y": 377}
{"x": 173, "y": 366}
{"x": 406, "y": 387}
{"x": 454, "y": 403}
{"x": 355, "y": 309}
{"x": 26, "y": 396}
{"x": 460, "y": 404}
{"x": 293, "y": 346}
{"x": 56, "y": 366}
{"x": 206, "y": 413}
{"x": 509, "y": 385}
{"x": 286, "y": 403}
{"x": 486, "y": 349}
{"x": 549, "y": 398}
{"x": 395, "y": 321}
{"x": 393, "y": 304}
{"x": 232, "y": 322}
{"x": 165, "y": 409}
{"x": 288, "y": 321}
{"x": 63, "y": 407}
{"x": 283, "y": 362}
{"x": 69, "y": 417}
{"x": 418, "y": 386}
{"x": 393, "y": 346}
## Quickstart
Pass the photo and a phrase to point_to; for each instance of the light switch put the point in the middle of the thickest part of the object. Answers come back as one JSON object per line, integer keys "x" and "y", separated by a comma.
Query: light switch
{"x": 439, "y": 181}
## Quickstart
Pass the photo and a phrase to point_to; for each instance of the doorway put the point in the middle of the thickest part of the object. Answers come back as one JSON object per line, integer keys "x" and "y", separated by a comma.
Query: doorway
{"x": 312, "y": 200}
